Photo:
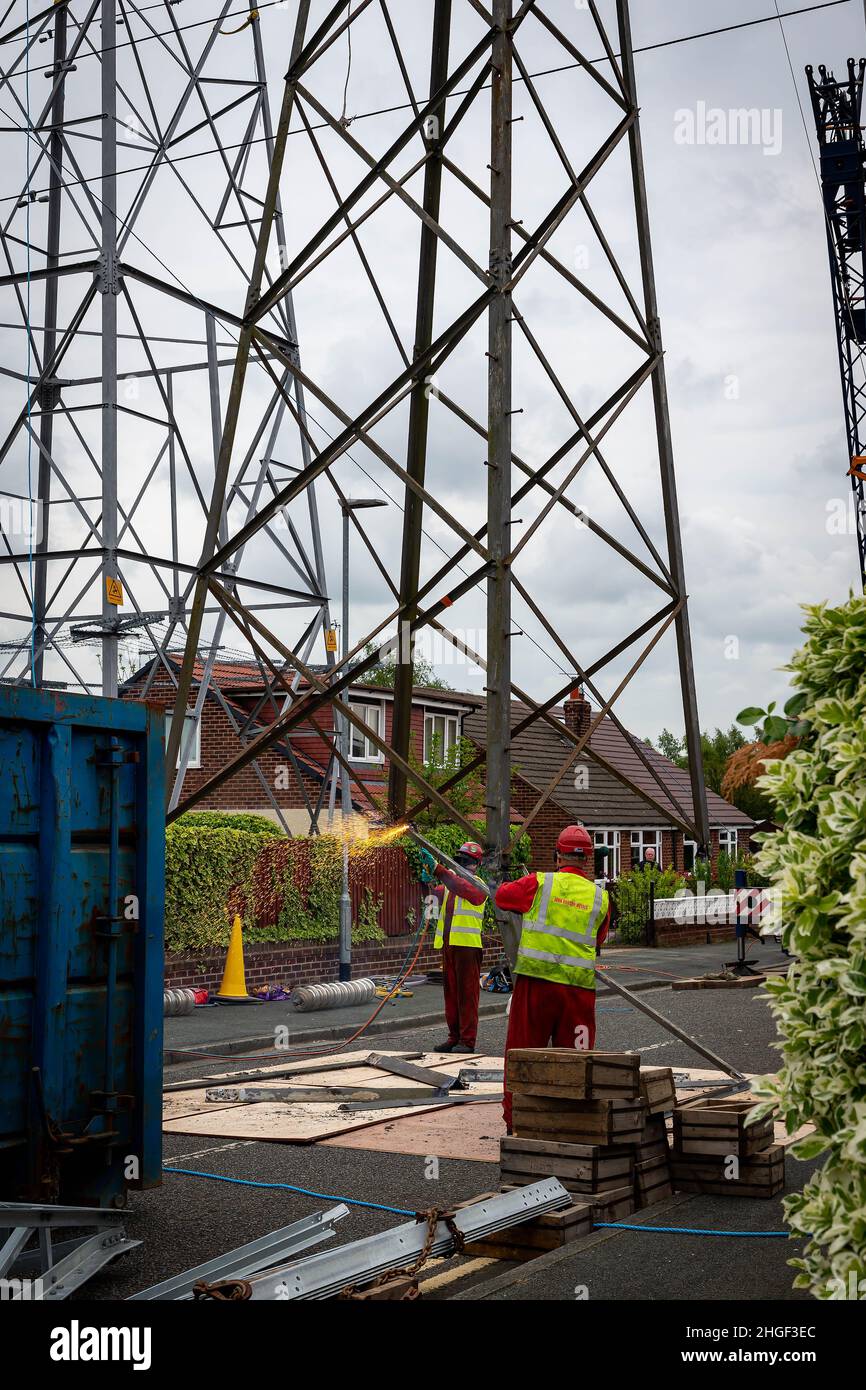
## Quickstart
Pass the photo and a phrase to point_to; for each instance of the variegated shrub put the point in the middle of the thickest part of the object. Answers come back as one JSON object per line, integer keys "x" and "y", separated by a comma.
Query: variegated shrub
{"x": 817, "y": 864}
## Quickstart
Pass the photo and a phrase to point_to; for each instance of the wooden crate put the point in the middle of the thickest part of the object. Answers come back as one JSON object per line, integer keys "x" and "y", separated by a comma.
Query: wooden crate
{"x": 717, "y": 1128}
{"x": 594, "y": 1122}
{"x": 549, "y": 1231}
{"x": 613, "y": 1206}
{"x": 580, "y": 1168}
{"x": 657, "y": 1089}
{"x": 653, "y": 1141}
{"x": 566, "y": 1074}
{"x": 761, "y": 1175}
{"x": 652, "y": 1182}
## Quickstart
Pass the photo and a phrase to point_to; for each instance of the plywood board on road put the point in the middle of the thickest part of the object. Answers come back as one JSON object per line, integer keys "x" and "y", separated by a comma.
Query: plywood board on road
{"x": 189, "y": 1112}
{"x": 469, "y": 1132}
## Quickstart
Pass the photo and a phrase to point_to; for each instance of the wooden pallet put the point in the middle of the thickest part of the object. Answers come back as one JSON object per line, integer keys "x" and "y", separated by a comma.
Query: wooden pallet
{"x": 594, "y": 1122}
{"x": 761, "y": 1175}
{"x": 717, "y": 1128}
{"x": 615, "y": 1205}
{"x": 566, "y": 1074}
{"x": 548, "y": 1231}
{"x": 581, "y": 1168}
{"x": 657, "y": 1089}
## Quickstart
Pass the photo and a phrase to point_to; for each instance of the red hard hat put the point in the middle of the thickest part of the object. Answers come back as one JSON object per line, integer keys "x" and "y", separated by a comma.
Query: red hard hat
{"x": 473, "y": 849}
{"x": 574, "y": 839}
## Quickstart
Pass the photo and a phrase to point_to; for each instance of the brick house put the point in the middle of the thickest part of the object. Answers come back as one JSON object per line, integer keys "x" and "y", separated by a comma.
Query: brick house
{"x": 592, "y": 791}
{"x": 234, "y": 700}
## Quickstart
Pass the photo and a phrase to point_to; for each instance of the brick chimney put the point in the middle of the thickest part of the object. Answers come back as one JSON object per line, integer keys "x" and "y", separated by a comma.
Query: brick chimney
{"x": 577, "y": 712}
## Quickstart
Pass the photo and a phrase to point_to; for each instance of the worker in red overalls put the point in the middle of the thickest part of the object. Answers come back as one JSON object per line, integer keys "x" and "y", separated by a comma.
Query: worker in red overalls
{"x": 564, "y": 918}
{"x": 458, "y": 936}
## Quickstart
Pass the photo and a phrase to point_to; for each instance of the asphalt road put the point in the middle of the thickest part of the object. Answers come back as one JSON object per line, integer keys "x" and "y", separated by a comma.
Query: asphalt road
{"x": 193, "y": 1219}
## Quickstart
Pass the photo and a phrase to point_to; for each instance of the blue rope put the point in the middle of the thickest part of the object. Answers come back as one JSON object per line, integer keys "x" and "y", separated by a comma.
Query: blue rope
{"x": 687, "y": 1230}
{"x": 405, "y": 1211}
{"x": 287, "y": 1187}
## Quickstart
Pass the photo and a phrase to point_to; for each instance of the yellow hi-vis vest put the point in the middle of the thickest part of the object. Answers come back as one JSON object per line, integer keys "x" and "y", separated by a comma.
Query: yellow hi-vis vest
{"x": 465, "y": 923}
{"x": 557, "y": 941}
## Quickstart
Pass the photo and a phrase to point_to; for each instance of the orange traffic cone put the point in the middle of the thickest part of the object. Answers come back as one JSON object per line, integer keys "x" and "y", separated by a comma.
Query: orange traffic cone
{"x": 233, "y": 989}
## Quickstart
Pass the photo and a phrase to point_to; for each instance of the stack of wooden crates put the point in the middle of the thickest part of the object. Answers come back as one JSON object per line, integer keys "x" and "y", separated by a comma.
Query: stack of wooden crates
{"x": 596, "y": 1121}
{"x": 716, "y": 1152}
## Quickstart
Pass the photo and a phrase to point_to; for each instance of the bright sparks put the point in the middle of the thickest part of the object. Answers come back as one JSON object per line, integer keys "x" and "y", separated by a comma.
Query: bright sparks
{"x": 375, "y": 839}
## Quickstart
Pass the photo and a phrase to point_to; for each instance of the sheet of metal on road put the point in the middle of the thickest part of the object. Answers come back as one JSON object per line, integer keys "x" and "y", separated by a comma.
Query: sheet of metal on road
{"x": 302, "y": 1066}
{"x": 303, "y": 1123}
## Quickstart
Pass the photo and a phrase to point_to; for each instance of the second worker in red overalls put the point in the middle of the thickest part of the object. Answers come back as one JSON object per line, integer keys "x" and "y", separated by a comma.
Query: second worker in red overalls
{"x": 458, "y": 936}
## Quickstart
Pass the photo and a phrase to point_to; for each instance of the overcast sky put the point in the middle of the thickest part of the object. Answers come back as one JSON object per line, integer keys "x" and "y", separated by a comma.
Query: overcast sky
{"x": 744, "y": 295}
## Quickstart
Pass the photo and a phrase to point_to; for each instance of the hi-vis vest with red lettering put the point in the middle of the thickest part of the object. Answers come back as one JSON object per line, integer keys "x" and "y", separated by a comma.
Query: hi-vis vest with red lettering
{"x": 557, "y": 940}
{"x": 465, "y": 923}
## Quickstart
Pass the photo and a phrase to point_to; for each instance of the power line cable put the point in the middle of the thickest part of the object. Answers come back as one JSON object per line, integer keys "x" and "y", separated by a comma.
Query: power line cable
{"x": 280, "y": 4}
{"x": 405, "y": 106}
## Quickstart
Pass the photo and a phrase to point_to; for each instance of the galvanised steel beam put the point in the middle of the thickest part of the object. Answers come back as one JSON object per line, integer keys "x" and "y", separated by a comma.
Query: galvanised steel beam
{"x": 665, "y": 443}
{"x": 497, "y": 801}
{"x": 419, "y": 405}
{"x": 49, "y": 341}
{"x": 233, "y": 404}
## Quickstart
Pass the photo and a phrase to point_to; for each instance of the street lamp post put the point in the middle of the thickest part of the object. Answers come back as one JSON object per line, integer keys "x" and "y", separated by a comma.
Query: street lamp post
{"x": 343, "y": 735}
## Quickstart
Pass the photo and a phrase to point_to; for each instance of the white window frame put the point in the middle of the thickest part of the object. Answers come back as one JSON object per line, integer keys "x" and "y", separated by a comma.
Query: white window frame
{"x": 730, "y": 843}
{"x": 645, "y": 838}
{"x": 693, "y": 845}
{"x": 447, "y": 744}
{"x": 194, "y": 761}
{"x": 601, "y": 839}
{"x": 371, "y": 753}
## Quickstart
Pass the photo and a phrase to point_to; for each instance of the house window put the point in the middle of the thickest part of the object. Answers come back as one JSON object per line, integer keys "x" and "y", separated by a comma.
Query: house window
{"x": 445, "y": 730}
{"x": 728, "y": 842}
{"x": 606, "y": 864}
{"x": 361, "y": 749}
{"x": 191, "y": 734}
{"x": 641, "y": 841}
{"x": 690, "y": 854}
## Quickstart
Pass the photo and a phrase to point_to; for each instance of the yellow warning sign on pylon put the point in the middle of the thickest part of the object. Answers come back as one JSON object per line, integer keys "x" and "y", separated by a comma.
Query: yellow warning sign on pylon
{"x": 114, "y": 591}
{"x": 331, "y": 640}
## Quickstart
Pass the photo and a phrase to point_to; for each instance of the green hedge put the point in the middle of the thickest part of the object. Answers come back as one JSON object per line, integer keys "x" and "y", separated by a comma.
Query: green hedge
{"x": 208, "y": 873}
{"x": 212, "y": 871}
{"x": 229, "y": 820}
{"x": 314, "y": 915}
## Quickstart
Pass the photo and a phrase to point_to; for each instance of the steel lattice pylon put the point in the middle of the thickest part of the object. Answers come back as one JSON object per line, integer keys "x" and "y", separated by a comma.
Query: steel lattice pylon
{"x": 838, "y": 110}
{"x": 493, "y": 231}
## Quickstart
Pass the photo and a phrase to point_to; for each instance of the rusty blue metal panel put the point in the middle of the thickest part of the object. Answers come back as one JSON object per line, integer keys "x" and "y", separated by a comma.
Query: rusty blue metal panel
{"x": 82, "y": 840}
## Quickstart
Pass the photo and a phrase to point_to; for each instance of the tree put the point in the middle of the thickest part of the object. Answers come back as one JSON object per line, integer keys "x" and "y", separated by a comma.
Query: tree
{"x": 467, "y": 795}
{"x": 384, "y": 673}
{"x": 717, "y": 750}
